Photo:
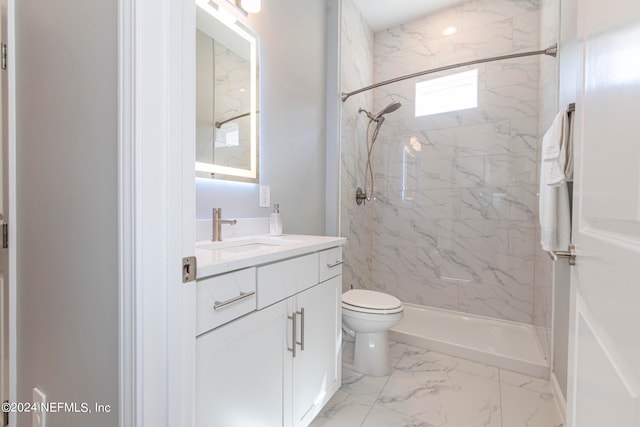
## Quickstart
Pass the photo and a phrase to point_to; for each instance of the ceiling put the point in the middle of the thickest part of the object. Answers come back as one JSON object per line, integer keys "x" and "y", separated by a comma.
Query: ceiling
{"x": 383, "y": 14}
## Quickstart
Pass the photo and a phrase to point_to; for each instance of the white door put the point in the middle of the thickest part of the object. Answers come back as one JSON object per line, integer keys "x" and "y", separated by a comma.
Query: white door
{"x": 604, "y": 360}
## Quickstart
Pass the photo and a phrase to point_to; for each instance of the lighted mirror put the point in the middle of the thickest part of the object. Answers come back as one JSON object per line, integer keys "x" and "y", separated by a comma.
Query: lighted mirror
{"x": 226, "y": 96}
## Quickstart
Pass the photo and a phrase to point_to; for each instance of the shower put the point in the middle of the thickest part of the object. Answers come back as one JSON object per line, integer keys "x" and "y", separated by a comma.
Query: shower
{"x": 454, "y": 226}
{"x": 361, "y": 195}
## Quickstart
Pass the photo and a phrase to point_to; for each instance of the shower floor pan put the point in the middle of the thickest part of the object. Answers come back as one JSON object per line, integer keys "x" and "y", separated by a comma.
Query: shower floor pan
{"x": 509, "y": 345}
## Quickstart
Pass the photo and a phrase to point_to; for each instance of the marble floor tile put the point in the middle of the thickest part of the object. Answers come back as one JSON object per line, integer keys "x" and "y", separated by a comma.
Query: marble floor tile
{"x": 343, "y": 410}
{"x": 448, "y": 398}
{"x": 428, "y": 389}
{"x": 527, "y": 401}
{"x": 525, "y": 381}
{"x": 416, "y": 358}
{"x": 364, "y": 386}
{"x": 383, "y": 417}
{"x": 527, "y": 408}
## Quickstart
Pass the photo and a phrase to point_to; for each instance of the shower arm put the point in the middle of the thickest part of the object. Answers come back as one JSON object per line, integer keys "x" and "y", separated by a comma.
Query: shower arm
{"x": 550, "y": 51}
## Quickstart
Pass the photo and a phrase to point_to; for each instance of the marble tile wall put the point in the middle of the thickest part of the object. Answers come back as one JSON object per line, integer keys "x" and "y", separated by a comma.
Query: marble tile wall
{"x": 454, "y": 220}
{"x": 356, "y": 71}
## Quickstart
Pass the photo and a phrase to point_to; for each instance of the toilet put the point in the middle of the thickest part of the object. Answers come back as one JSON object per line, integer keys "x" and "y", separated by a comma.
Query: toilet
{"x": 367, "y": 316}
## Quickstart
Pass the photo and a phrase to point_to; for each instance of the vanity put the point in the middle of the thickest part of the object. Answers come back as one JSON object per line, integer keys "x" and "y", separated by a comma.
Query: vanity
{"x": 268, "y": 320}
{"x": 268, "y": 309}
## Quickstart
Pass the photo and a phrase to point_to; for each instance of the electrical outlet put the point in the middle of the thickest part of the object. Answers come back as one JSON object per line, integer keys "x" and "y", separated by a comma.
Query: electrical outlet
{"x": 265, "y": 196}
{"x": 39, "y": 417}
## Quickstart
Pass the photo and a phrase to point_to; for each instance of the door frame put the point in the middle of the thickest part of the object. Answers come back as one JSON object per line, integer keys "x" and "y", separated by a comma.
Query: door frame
{"x": 156, "y": 211}
{"x": 11, "y": 209}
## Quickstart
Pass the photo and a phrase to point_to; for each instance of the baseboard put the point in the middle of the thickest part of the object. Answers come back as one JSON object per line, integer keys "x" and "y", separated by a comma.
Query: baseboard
{"x": 558, "y": 397}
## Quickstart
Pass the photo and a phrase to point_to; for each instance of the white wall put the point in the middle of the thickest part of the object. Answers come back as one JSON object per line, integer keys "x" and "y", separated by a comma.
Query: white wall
{"x": 67, "y": 270}
{"x": 547, "y": 109}
{"x": 292, "y": 122}
{"x": 568, "y": 73}
{"x": 557, "y": 89}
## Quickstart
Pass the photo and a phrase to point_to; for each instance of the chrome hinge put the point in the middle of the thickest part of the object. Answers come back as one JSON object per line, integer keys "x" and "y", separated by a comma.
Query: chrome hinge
{"x": 189, "y": 266}
{"x": 4, "y": 56}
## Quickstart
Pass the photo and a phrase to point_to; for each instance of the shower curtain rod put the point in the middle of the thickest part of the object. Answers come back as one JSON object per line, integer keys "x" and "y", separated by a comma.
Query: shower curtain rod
{"x": 218, "y": 124}
{"x": 550, "y": 51}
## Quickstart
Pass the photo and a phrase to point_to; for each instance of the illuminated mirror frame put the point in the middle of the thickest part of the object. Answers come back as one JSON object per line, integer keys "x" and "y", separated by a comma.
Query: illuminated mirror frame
{"x": 222, "y": 15}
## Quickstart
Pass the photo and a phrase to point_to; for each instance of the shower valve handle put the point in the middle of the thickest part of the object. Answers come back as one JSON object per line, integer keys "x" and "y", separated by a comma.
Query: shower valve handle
{"x": 361, "y": 196}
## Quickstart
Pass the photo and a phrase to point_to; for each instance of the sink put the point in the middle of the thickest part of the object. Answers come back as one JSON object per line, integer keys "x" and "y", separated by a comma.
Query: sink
{"x": 244, "y": 248}
{"x": 246, "y": 244}
{"x": 239, "y": 252}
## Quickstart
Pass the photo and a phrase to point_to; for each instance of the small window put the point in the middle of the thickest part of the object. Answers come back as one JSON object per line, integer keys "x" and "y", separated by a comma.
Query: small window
{"x": 228, "y": 135}
{"x": 451, "y": 93}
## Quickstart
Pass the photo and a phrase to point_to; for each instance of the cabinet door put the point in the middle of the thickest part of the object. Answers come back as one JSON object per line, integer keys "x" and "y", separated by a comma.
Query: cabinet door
{"x": 242, "y": 369}
{"x": 317, "y": 367}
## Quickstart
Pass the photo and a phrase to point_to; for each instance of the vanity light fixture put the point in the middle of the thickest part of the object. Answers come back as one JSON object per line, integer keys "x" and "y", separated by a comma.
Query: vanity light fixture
{"x": 226, "y": 16}
{"x": 248, "y": 6}
{"x": 251, "y": 6}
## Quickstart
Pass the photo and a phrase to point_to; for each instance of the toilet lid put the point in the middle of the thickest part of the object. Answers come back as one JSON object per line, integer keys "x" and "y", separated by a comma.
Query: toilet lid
{"x": 370, "y": 299}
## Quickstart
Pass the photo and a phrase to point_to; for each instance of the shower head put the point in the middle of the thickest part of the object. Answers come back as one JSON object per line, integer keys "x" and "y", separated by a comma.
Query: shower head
{"x": 386, "y": 110}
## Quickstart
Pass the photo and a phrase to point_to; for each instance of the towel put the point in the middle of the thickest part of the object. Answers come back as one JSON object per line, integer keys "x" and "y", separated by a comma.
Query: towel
{"x": 554, "y": 210}
{"x": 554, "y": 136}
{"x": 555, "y": 148}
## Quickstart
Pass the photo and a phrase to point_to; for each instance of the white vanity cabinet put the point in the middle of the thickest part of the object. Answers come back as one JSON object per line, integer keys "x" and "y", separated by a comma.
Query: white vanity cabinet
{"x": 241, "y": 371}
{"x": 280, "y": 364}
{"x": 316, "y": 366}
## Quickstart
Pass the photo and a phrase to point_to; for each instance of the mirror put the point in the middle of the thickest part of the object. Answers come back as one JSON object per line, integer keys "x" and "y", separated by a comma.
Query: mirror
{"x": 226, "y": 96}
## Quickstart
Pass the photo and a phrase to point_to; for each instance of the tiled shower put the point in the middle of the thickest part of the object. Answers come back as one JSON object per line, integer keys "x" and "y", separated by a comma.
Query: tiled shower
{"x": 454, "y": 220}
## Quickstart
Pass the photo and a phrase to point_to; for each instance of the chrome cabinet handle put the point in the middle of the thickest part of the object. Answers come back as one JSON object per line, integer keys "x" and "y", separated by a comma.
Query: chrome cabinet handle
{"x": 294, "y": 335}
{"x": 570, "y": 254}
{"x": 301, "y": 342}
{"x": 337, "y": 263}
{"x": 217, "y": 305}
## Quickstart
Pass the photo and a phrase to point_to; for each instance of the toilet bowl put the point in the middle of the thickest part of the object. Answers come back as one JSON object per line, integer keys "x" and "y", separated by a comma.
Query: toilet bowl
{"x": 368, "y": 316}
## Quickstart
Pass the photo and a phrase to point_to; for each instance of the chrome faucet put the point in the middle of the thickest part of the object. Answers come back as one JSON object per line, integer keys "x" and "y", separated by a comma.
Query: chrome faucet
{"x": 217, "y": 224}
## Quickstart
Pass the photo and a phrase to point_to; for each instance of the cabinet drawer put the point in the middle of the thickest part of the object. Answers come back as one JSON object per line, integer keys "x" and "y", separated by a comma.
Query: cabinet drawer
{"x": 330, "y": 263}
{"x": 282, "y": 279}
{"x": 220, "y": 299}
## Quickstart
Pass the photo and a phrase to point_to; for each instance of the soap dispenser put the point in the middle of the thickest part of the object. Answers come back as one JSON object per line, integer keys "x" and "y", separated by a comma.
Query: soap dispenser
{"x": 275, "y": 223}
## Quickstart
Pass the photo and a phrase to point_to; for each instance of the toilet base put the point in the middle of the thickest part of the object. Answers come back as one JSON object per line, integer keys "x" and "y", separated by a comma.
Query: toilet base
{"x": 371, "y": 355}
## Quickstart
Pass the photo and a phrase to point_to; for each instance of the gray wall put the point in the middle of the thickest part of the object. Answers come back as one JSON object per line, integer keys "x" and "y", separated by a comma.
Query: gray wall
{"x": 292, "y": 122}
{"x": 67, "y": 309}
{"x": 562, "y": 276}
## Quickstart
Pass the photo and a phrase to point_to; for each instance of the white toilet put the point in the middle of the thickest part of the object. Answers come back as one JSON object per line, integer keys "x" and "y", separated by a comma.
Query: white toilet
{"x": 368, "y": 316}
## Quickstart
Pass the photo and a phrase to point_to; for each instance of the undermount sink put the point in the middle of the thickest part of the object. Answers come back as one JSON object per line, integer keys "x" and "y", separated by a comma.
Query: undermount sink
{"x": 246, "y": 244}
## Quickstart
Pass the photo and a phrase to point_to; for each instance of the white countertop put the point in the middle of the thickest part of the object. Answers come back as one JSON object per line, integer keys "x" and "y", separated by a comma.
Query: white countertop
{"x": 234, "y": 254}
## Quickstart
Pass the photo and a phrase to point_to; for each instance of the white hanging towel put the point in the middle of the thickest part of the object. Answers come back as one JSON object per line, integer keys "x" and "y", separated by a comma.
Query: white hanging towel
{"x": 554, "y": 212}
{"x": 555, "y": 148}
